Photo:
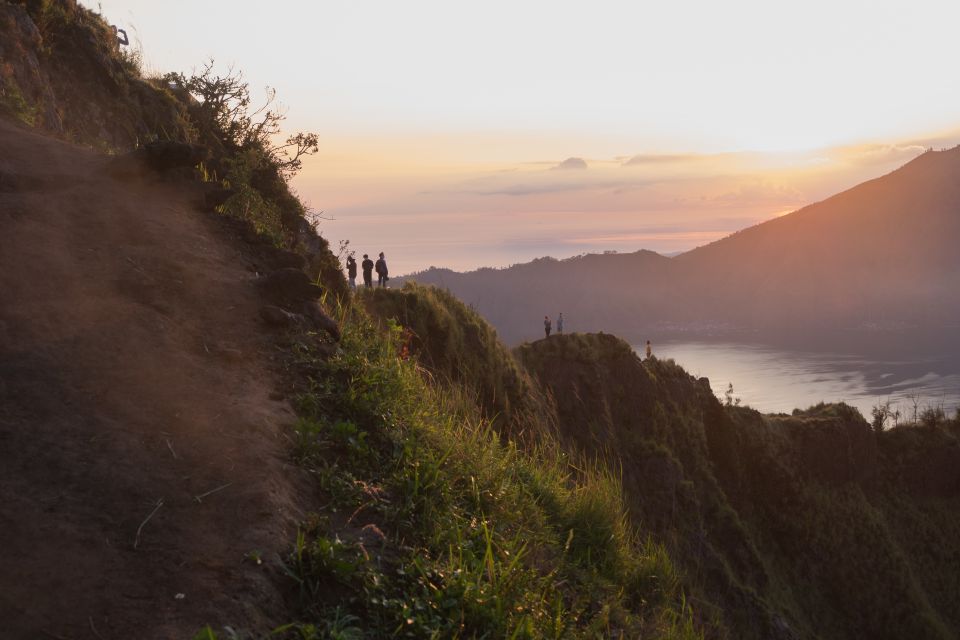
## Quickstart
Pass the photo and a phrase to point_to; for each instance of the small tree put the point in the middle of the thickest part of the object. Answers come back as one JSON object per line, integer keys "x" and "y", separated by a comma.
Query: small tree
{"x": 932, "y": 416}
{"x": 883, "y": 412}
{"x": 223, "y": 114}
{"x": 915, "y": 403}
{"x": 729, "y": 400}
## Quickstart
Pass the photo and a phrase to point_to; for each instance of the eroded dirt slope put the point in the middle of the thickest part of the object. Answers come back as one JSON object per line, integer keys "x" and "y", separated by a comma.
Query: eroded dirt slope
{"x": 132, "y": 371}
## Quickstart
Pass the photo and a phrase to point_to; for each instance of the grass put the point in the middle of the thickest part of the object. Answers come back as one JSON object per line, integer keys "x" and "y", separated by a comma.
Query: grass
{"x": 461, "y": 350}
{"x": 14, "y": 104}
{"x": 436, "y": 527}
{"x": 723, "y": 522}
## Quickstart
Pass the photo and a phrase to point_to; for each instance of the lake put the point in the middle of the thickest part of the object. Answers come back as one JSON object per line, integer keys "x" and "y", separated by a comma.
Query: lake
{"x": 775, "y": 379}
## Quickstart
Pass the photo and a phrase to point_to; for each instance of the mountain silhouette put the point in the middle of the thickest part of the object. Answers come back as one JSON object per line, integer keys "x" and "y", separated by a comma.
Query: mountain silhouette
{"x": 881, "y": 255}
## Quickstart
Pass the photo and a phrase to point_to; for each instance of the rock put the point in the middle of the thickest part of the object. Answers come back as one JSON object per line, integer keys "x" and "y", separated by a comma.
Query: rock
{"x": 315, "y": 313}
{"x": 287, "y": 287}
{"x": 277, "y": 317}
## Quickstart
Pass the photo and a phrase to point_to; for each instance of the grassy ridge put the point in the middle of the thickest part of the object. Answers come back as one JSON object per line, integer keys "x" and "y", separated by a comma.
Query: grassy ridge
{"x": 462, "y": 351}
{"x": 810, "y": 525}
{"x": 436, "y": 527}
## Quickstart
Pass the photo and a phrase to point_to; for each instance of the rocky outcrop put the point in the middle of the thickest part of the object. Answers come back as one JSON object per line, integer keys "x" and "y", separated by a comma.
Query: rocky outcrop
{"x": 86, "y": 87}
{"x": 26, "y": 91}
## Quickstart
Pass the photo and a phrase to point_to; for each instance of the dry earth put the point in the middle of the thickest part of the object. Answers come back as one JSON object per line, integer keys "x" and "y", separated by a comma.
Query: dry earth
{"x": 143, "y": 463}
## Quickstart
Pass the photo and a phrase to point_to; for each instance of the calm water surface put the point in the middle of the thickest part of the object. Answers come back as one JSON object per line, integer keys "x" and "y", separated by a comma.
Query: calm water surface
{"x": 778, "y": 380}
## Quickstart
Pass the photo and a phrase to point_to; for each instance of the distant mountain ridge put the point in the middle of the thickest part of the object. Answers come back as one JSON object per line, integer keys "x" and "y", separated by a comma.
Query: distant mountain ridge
{"x": 881, "y": 254}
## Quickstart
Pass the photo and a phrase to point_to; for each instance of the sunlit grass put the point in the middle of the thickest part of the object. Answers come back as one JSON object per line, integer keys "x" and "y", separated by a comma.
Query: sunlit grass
{"x": 437, "y": 527}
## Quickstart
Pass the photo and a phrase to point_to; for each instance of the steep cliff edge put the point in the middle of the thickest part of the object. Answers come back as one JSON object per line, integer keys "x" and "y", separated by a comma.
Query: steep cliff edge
{"x": 809, "y": 525}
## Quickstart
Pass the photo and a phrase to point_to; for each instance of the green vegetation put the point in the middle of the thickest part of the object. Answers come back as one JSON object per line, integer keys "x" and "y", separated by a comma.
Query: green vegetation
{"x": 252, "y": 166}
{"x": 12, "y": 102}
{"x": 436, "y": 527}
{"x": 462, "y": 351}
{"x": 781, "y": 526}
{"x": 80, "y": 84}
{"x": 90, "y": 90}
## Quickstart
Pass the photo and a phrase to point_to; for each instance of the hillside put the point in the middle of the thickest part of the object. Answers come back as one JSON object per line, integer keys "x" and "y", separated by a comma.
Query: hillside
{"x": 132, "y": 371}
{"x": 878, "y": 255}
{"x": 806, "y": 526}
{"x": 204, "y": 434}
{"x": 810, "y": 525}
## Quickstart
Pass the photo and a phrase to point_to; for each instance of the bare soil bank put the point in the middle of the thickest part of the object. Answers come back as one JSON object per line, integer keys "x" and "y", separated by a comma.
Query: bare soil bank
{"x": 143, "y": 465}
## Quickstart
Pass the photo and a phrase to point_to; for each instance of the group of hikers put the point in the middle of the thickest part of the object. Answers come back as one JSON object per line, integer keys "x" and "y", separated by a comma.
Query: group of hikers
{"x": 548, "y": 326}
{"x": 368, "y": 267}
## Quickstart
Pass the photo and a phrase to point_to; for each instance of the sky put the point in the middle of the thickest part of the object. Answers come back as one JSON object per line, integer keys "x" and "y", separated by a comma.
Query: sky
{"x": 489, "y": 133}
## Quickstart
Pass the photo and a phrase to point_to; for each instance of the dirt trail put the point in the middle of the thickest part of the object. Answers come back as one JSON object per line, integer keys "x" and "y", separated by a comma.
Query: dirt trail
{"x": 132, "y": 370}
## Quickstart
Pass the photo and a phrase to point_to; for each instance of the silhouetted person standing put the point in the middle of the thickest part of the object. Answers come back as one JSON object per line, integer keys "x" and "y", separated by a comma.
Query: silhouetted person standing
{"x": 367, "y": 266}
{"x": 560, "y": 324}
{"x": 649, "y": 349}
{"x": 382, "y": 275}
{"x": 352, "y": 271}
{"x": 546, "y": 325}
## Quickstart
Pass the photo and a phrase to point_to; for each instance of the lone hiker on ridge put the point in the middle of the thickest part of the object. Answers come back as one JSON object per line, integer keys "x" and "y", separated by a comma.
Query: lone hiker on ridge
{"x": 649, "y": 349}
{"x": 367, "y": 265}
{"x": 382, "y": 276}
{"x": 546, "y": 325}
{"x": 352, "y": 271}
{"x": 560, "y": 324}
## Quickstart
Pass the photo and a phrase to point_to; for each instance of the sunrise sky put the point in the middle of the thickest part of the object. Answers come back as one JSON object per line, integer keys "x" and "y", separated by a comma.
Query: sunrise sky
{"x": 483, "y": 134}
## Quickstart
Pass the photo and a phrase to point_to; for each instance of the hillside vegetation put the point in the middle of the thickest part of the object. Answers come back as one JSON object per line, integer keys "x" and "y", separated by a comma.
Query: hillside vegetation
{"x": 810, "y": 525}
{"x": 204, "y": 433}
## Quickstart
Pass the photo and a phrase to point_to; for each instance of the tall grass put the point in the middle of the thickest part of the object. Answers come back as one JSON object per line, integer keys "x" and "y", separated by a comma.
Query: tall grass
{"x": 436, "y": 527}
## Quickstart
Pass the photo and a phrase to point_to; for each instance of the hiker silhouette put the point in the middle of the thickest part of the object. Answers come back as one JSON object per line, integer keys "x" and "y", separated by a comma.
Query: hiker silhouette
{"x": 382, "y": 274}
{"x": 367, "y": 266}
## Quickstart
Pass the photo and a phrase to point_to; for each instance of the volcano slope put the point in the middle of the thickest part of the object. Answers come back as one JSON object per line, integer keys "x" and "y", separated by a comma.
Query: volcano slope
{"x": 143, "y": 471}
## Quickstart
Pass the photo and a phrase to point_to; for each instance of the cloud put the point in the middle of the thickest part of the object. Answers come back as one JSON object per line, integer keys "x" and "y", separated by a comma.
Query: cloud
{"x": 571, "y": 164}
{"x": 760, "y": 193}
{"x": 657, "y": 159}
{"x": 873, "y": 154}
{"x": 533, "y": 189}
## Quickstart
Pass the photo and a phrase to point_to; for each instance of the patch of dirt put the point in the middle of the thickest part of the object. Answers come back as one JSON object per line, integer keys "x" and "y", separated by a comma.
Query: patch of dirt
{"x": 143, "y": 464}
